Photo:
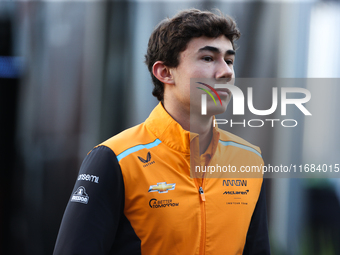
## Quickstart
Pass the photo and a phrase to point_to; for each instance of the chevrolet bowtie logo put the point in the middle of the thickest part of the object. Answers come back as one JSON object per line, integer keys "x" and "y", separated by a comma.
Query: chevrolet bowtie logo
{"x": 162, "y": 187}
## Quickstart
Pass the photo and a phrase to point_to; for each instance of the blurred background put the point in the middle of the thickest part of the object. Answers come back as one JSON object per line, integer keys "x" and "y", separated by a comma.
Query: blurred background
{"x": 72, "y": 75}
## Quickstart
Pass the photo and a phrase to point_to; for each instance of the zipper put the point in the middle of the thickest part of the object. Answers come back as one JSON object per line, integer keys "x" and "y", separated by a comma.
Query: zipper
{"x": 203, "y": 221}
{"x": 200, "y": 190}
{"x": 203, "y": 230}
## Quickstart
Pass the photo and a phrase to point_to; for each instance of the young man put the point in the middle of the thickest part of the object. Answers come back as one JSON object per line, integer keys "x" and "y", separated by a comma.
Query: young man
{"x": 134, "y": 193}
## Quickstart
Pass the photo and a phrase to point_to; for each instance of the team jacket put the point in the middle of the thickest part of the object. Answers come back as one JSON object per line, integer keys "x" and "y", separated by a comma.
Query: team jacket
{"x": 135, "y": 194}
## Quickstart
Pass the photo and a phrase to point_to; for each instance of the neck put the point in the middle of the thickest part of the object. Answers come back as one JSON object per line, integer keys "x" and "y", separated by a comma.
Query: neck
{"x": 193, "y": 122}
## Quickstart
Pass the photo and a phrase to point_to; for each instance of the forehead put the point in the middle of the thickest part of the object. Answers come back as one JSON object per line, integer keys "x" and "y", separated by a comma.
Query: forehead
{"x": 221, "y": 42}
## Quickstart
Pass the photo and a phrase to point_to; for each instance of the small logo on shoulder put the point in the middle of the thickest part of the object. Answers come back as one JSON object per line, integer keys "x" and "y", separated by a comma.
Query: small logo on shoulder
{"x": 80, "y": 196}
{"x": 147, "y": 160}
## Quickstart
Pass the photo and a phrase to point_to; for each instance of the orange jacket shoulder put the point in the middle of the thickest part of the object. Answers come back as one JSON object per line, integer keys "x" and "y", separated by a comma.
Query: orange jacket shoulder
{"x": 129, "y": 138}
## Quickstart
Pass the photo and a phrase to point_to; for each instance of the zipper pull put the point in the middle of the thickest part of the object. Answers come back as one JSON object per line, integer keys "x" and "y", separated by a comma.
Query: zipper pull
{"x": 202, "y": 194}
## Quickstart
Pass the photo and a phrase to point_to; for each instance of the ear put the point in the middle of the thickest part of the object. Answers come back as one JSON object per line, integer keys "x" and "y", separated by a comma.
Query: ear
{"x": 162, "y": 73}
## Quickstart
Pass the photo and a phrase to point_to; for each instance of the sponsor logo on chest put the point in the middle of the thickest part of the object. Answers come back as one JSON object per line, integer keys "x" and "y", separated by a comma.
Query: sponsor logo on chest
{"x": 147, "y": 161}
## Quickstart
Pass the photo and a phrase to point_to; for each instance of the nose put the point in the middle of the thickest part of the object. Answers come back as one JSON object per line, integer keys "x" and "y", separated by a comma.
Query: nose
{"x": 224, "y": 71}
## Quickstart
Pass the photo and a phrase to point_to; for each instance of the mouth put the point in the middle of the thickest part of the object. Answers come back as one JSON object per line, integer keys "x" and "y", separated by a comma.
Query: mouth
{"x": 223, "y": 91}
{"x": 219, "y": 92}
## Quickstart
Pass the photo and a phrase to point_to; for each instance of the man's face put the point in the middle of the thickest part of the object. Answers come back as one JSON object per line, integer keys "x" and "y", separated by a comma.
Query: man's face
{"x": 204, "y": 57}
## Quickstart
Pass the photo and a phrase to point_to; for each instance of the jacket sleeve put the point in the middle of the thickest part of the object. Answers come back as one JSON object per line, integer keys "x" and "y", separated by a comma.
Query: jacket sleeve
{"x": 257, "y": 242}
{"x": 92, "y": 216}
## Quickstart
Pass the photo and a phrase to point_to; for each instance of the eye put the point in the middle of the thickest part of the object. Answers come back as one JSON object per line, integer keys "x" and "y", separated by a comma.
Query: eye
{"x": 229, "y": 62}
{"x": 207, "y": 58}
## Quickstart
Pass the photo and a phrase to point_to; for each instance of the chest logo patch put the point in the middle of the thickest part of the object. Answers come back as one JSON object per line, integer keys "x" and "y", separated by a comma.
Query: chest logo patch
{"x": 236, "y": 192}
{"x": 146, "y": 161}
{"x": 162, "y": 187}
{"x": 148, "y": 158}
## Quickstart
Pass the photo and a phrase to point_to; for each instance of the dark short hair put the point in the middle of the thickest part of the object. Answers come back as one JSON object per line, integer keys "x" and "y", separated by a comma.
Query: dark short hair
{"x": 172, "y": 36}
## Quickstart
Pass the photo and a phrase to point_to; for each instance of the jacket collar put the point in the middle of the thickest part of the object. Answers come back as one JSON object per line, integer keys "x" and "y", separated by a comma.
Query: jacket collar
{"x": 164, "y": 127}
{"x": 171, "y": 133}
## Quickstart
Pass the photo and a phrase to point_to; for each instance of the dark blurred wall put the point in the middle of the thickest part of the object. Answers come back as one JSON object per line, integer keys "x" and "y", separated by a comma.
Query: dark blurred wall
{"x": 57, "y": 114}
{"x": 9, "y": 85}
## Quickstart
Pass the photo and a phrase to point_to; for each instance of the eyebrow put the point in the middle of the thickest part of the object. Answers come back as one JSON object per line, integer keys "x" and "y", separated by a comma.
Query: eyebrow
{"x": 217, "y": 50}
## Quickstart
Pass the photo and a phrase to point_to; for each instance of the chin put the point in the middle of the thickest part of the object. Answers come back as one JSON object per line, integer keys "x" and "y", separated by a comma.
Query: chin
{"x": 214, "y": 110}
